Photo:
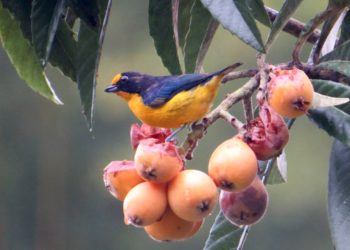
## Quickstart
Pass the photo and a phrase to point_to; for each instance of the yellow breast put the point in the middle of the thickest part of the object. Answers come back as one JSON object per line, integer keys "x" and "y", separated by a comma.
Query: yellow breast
{"x": 185, "y": 107}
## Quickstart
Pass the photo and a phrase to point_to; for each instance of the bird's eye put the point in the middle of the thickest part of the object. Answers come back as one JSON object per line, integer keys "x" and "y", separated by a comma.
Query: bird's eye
{"x": 124, "y": 78}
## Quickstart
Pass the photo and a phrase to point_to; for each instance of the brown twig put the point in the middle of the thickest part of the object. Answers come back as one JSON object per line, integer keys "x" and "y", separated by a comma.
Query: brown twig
{"x": 231, "y": 120}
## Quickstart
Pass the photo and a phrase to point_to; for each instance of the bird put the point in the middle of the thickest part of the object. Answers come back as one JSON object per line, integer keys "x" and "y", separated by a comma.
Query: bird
{"x": 170, "y": 101}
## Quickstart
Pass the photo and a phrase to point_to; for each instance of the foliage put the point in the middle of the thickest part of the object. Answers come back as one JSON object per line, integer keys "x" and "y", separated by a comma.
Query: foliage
{"x": 68, "y": 34}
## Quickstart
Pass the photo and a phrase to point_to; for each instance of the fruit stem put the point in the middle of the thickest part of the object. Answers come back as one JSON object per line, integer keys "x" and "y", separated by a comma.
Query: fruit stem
{"x": 243, "y": 238}
{"x": 264, "y": 76}
{"x": 248, "y": 109}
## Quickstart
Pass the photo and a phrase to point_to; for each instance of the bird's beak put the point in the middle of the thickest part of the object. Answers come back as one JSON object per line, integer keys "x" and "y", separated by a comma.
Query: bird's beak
{"x": 112, "y": 88}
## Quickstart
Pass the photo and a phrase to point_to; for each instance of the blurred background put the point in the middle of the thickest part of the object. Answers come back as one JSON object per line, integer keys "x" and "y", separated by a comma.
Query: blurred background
{"x": 51, "y": 191}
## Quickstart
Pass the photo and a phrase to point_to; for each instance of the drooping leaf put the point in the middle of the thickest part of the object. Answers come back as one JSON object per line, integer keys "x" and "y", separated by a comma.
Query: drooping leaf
{"x": 257, "y": 7}
{"x": 340, "y": 53}
{"x": 184, "y": 20}
{"x": 89, "y": 11}
{"x": 161, "y": 30}
{"x": 23, "y": 57}
{"x": 64, "y": 48}
{"x": 329, "y": 32}
{"x": 212, "y": 27}
{"x": 200, "y": 24}
{"x": 287, "y": 10}
{"x": 339, "y": 195}
{"x": 21, "y": 11}
{"x": 45, "y": 17}
{"x": 342, "y": 67}
{"x": 345, "y": 29}
{"x": 235, "y": 16}
{"x": 334, "y": 121}
{"x": 223, "y": 235}
{"x": 175, "y": 4}
{"x": 87, "y": 60}
{"x": 335, "y": 89}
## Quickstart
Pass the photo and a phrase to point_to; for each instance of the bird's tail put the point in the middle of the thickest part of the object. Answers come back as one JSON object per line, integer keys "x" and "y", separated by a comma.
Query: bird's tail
{"x": 228, "y": 69}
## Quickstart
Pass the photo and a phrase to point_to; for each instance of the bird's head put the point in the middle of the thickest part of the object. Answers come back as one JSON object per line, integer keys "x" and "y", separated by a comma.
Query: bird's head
{"x": 126, "y": 84}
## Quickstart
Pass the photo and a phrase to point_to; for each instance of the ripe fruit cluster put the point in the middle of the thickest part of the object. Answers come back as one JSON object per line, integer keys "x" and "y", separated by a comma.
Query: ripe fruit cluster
{"x": 170, "y": 203}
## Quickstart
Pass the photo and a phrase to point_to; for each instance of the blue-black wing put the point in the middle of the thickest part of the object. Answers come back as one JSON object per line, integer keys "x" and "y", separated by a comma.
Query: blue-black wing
{"x": 165, "y": 87}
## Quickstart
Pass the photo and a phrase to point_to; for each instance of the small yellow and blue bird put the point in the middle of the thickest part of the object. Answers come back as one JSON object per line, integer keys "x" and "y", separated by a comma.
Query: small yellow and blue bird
{"x": 168, "y": 101}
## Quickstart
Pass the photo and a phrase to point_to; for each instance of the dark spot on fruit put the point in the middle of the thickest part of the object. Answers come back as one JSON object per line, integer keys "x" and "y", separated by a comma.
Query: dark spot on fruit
{"x": 149, "y": 173}
{"x": 135, "y": 220}
{"x": 226, "y": 184}
{"x": 300, "y": 104}
{"x": 203, "y": 206}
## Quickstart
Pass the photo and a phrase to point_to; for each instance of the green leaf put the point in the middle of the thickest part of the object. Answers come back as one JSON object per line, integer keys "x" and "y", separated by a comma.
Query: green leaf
{"x": 257, "y": 7}
{"x": 161, "y": 30}
{"x": 21, "y": 11}
{"x": 345, "y": 29}
{"x": 342, "y": 67}
{"x": 340, "y": 53}
{"x": 235, "y": 16}
{"x": 223, "y": 235}
{"x": 45, "y": 18}
{"x": 334, "y": 121}
{"x": 339, "y": 195}
{"x": 200, "y": 24}
{"x": 335, "y": 89}
{"x": 184, "y": 20}
{"x": 88, "y": 11}
{"x": 329, "y": 33}
{"x": 64, "y": 49}
{"x": 23, "y": 57}
{"x": 287, "y": 10}
{"x": 320, "y": 100}
{"x": 87, "y": 60}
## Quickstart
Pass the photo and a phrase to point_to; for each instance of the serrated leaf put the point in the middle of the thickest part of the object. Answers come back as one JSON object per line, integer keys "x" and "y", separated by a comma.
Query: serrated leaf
{"x": 201, "y": 26}
{"x": 88, "y": 11}
{"x": 335, "y": 89}
{"x": 339, "y": 53}
{"x": 45, "y": 17}
{"x": 63, "y": 53}
{"x": 161, "y": 30}
{"x": 334, "y": 121}
{"x": 287, "y": 10}
{"x": 342, "y": 67}
{"x": 87, "y": 60}
{"x": 23, "y": 57}
{"x": 235, "y": 16}
{"x": 339, "y": 195}
{"x": 223, "y": 235}
{"x": 258, "y": 10}
{"x": 21, "y": 11}
{"x": 345, "y": 29}
{"x": 320, "y": 100}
